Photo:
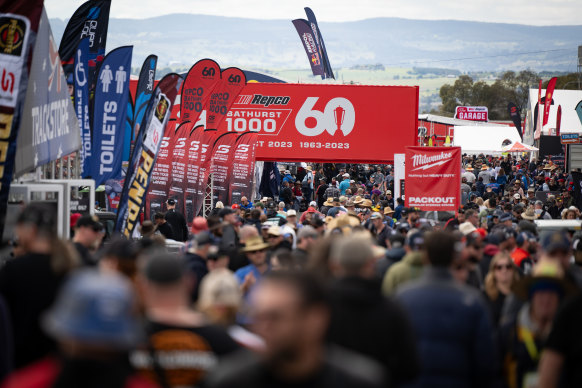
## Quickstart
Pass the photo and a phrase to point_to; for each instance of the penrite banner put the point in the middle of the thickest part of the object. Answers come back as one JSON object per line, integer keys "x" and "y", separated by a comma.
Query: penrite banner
{"x": 178, "y": 164}
{"x": 19, "y": 22}
{"x": 145, "y": 152}
{"x": 515, "y": 115}
{"x": 548, "y": 101}
{"x": 319, "y": 123}
{"x": 232, "y": 81}
{"x": 240, "y": 180}
{"x": 198, "y": 161}
{"x": 90, "y": 21}
{"x": 433, "y": 180}
{"x": 109, "y": 116}
{"x": 200, "y": 82}
{"x": 221, "y": 165}
{"x": 49, "y": 128}
{"x": 309, "y": 41}
{"x": 319, "y": 41}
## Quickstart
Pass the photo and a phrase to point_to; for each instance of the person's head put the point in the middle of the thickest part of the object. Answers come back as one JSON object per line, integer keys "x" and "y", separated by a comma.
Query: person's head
{"x": 472, "y": 217}
{"x": 274, "y": 236}
{"x": 292, "y": 217}
{"x": 36, "y": 223}
{"x": 412, "y": 216}
{"x": 282, "y": 260}
{"x": 89, "y": 231}
{"x": 159, "y": 218}
{"x": 571, "y": 214}
{"x": 171, "y": 204}
{"x": 256, "y": 251}
{"x": 244, "y": 200}
{"x": 556, "y": 246}
{"x": 202, "y": 244}
{"x": 228, "y": 215}
{"x": 163, "y": 280}
{"x": 220, "y": 297}
{"x": 353, "y": 256}
{"x": 441, "y": 248}
{"x": 502, "y": 274}
{"x": 246, "y": 232}
{"x": 377, "y": 220}
{"x": 306, "y": 237}
{"x": 290, "y": 312}
{"x": 119, "y": 256}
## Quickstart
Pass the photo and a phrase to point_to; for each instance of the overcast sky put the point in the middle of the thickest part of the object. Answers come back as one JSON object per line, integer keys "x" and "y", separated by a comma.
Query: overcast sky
{"x": 534, "y": 12}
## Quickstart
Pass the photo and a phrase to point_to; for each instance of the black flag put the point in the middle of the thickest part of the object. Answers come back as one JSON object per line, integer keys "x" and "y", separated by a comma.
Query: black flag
{"x": 515, "y": 115}
{"x": 319, "y": 41}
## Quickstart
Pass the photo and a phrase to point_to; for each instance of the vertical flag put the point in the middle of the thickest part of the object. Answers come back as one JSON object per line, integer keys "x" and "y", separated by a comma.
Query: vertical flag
{"x": 222, "y": 153}
{"x": 548, "y": 102}
{"x": 577, "y": 178}
{"x": 145, "y": 152}
{"x": 206, "y": 144}
{"x": 270, "y": 180}
{"x": 240, "y": 180}
{"x": 309, "y": 44}
{"x": 143, "y": 92}
{"x": 128, "y": 129}
{"x": 91, "y": 21}
{"x": 232, "y": 82}
{"x": 109, "y": 116}
{"x": 19, "y": 22}
{"x": 81, "y": 99}
{"x": 559, "y": 120}
{"x": 201, "y": 80}
{"x": 537, "y": 124}
{"x": 319, "y": 41}
{"x": 178, "y": 164}
{"x": 49, "y": 128}
{"x": 515, "y": 115}
{"x": 199, "y": 142}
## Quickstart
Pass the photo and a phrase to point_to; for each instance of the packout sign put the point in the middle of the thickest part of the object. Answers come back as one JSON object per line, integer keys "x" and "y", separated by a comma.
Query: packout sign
{"x": 433, "y": 178}
{"x": 349, "y": 123}
{"x": 472, "y": 113}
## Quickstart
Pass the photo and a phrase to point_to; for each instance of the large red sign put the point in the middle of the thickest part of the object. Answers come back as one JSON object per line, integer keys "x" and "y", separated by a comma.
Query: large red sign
{"x": 472, "y": 113}
{"x": 348, "y": 123}
{"x": 433, "y": 178}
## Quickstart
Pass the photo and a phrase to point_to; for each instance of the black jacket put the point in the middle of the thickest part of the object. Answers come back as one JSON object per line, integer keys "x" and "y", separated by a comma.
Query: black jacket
{"x": 365, "y": 321}
{"x": 178, "y": 223}
{"x": 166, "y": 230}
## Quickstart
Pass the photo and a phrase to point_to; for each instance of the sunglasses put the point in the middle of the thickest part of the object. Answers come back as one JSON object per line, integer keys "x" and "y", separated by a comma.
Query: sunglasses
{"x": 259, "y": 251}
{"x": 272, "y": 236}
{"x": 506, "y": 266}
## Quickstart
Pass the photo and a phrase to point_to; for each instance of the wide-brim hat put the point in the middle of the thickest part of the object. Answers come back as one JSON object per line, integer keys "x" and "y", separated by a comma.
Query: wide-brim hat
{"x": 469, "y": 168}
{"x": 529, "y": 214}
{"x": 484, "y": 168}
{"x": 329, "y": 202}
{"x": 388, "y": 210}
{"x": 366, "y": 203}
{"x": 358, "y": 199}
{"x": 255, "y": 244}
{"x": 309, "y": 168}
{"x": 547, "y": 274}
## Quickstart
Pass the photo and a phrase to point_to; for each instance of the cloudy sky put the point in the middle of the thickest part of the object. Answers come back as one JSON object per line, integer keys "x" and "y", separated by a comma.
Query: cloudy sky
{"x": 534, "y": 12}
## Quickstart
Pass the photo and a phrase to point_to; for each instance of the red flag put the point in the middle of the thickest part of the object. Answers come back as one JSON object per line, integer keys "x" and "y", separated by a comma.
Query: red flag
{"x": 201, "y": 80}
{"x": 433, "y": 180}
{"x": 559, "y": 120}
{"x": 222, "y": 154}
{"x": 178, "y": 163}
{"x": 240, "y": 182}
{"x": 202, "y": 141}
{"x": 232, "y": 81}
{"x": 549, "y": 94}
{"x": 537, "y": 125}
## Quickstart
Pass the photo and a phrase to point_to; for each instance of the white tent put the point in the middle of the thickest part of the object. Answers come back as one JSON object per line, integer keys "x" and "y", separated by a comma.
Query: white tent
{"x": 488, "y": 140}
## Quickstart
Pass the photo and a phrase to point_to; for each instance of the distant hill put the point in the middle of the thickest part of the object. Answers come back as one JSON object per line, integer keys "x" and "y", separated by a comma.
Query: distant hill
{"x": 181, "y": 39}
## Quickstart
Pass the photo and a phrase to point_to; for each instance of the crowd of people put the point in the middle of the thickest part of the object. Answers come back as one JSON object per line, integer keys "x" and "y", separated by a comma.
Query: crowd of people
{"x": 332, "y": 282}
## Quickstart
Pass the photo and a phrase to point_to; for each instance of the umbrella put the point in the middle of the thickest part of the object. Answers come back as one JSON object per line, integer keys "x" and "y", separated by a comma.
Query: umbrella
{"x": 519, "y": 147}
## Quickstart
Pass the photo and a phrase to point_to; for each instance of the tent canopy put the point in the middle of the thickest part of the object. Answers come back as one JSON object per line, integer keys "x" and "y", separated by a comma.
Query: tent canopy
{"x": 488, "y": 140}
{"x": 519, "y": 147}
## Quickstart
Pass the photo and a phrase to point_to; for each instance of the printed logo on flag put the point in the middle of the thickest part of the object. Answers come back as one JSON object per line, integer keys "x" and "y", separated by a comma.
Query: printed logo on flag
{"x": 161, "y": 109}
{"x": 12, "y": 34}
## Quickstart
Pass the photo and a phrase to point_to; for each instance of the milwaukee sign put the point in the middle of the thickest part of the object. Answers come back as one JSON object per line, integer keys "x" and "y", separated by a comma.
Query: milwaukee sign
{"x": 433, "y": 178}
{"x": 472, "y": 113}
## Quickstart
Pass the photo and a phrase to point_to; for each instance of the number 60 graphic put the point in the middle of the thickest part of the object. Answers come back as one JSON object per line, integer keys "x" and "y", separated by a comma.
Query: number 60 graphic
{"x": 339, "y": 114}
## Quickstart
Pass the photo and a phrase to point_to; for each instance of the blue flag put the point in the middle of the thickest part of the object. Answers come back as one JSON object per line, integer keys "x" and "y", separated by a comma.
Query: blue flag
{"x": 143, "y": 92}
{"x": 319, "y": 41}
{"x": 81, "y": 99}
{"x": 128, "y": 129}
{"x": 109, "y": 116}
{"x": 309, "y": 44}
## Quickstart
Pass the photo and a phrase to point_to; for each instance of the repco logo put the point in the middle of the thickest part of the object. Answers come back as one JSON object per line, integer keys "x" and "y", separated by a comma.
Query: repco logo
{"x": 338, "y": 115}
{"x": 259, "y": 99}
{"x": 431, "y": 200}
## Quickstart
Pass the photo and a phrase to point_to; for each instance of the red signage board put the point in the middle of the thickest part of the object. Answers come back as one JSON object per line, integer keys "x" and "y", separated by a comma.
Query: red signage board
{"x": 472, "y": 113}
{"x": 433, "y": 178}
{"x": 342, "y": 123}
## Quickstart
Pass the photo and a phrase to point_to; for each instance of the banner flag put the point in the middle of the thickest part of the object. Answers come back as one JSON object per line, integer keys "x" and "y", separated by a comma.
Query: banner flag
{"x": 91, "y": 21}
{"x": 145, "y": 152}
{"x": 128, "y": 129}
{"x": 221, "y": 166}
{"x": 232, "y": 82}
{"x": 537, "y": 125}
{"x": 309, "y": 44}
{"x": 178, "y": 160}
{"x": 143, "y": 92}
{"x": 270, "y": 180}
{"x": 433, "y": 180}
{"x": 319, "y": 41}
{"x": 19, "y": 22}
{"x": 49, "y": 128}
{"x": 200, "y": 82}
{"x": 559, "y": 120}
{"x": 109, "y": 116}
{"x": 577, "y": 177}
{"x": 81, "y": 99}
{"x": 548, "y": 102}
{"x": 240, "y": 180}
{"x": 199, "y": 142}
{"x": 515, "y": 115}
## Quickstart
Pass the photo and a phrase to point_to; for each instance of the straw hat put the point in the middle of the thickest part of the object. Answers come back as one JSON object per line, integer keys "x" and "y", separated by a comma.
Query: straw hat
{"x": 484, "y": 168}
{"x": 366, "y": 203}
{"x": 529, "y": 214}
{"x": 469, "y": 168}
{"x": 388, "y": 211}
{"x": 329, "y": 202}
{"x": 343, "y": 221}
{"x": 255, "y": 244}
{"x": 309, "y": 168}
{"x": 358, "y": 200}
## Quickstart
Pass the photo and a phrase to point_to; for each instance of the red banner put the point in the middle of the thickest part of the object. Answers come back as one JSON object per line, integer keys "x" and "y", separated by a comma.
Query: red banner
{"x": 232, "y": 82}
{"x": 160, "y": 178}
{"x": 200, "y": 81}
{"x": 178, "y": 163}
{"x": 548, "y": 102}
{"x": 343, "y": 123}
{"x": 199, "y": 155}
{"x": 222, "y": 154}
{"x": 559, "y": 120}
{"x": 433, "y": 178}
{"x": 243, "y": 168}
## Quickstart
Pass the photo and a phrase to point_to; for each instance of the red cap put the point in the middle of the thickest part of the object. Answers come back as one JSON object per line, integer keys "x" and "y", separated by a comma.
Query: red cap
{"x": 311, "y": 210}
{"x": 235, "y": 206}
{"x": 74, "y": 218}
{"x": 547, "y": 178}
{"x": 199, "y": 224}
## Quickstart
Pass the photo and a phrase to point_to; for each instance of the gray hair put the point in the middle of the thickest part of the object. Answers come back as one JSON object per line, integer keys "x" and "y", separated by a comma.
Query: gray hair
{"x": 353, "y": 252}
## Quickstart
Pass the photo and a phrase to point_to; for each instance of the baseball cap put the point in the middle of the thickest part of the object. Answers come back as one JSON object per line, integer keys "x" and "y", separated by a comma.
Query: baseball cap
{"x": 199, "y": 224}
{"x": 346, "y": 175}
{"x": 555, "y": 241}
{"x": 95, "y": 308}
{"x": 203, "y": 238}
{"x": 312, "y": 204}
{"x": 291, "y": 213}
{"x": 516, "y": 196}
{"x": 505, "y": 217}
{"x": 523, "y": 237}
{"x": 235, "y": 206}
{"x": 415, "y": 241}
{"x": 376, "y": 216}
{"x": 311, "y": 210}
{"x": 171, "y": 201}
{"x": 164, "y": 269}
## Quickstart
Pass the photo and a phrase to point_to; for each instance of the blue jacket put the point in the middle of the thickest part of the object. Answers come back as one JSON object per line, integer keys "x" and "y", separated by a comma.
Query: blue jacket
{"x": 453, "y": 329}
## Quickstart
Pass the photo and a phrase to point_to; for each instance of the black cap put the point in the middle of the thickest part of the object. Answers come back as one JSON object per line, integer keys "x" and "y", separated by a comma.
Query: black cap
{"x": 89, "y": 221}
{"x": 171, "y": 202}
{"x": 165, "y": 269}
